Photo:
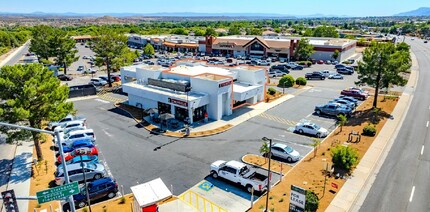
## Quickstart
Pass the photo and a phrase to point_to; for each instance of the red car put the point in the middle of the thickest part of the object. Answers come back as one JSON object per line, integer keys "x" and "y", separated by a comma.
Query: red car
{"x": 320, "y": 62}
{"x": 355, "y": 93}
{"x": 115, "y": 78}
{"x": 71, "y": 155}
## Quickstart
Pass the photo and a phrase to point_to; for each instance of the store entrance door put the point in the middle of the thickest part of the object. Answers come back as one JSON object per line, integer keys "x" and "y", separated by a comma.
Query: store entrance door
{"x": 199, "y": 113}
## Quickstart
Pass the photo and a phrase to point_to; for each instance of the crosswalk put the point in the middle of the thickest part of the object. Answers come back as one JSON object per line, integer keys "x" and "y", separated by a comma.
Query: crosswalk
{"x": 278, "y": 119}
{"x": 106, "y": 96}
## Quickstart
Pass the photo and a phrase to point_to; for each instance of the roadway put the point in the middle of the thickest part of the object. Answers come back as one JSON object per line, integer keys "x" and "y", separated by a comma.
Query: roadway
{"x": 402, "y": 183}
{"x": 15, "y": 59}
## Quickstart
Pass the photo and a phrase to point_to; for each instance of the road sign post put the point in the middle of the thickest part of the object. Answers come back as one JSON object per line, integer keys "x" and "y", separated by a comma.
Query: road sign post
{"x": 57, "y": 193}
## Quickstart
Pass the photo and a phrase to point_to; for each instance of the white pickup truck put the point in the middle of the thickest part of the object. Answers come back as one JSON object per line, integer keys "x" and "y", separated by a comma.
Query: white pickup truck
{"x": 53, "y": 124}
{"x": 239, "y": 173}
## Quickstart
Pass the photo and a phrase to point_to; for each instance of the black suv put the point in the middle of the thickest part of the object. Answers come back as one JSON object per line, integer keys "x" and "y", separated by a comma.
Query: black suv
{"x": 104, "y": 187}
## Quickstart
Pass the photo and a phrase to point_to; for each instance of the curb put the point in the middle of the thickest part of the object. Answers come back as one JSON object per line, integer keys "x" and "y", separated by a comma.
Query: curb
{"x": 353, "y": 200}
{"x": 170, "y": 135}
{"x": 243, "y": 161}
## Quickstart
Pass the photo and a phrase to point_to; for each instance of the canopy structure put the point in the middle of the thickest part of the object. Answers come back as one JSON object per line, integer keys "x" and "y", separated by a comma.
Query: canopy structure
{"x": 150, "y": 193}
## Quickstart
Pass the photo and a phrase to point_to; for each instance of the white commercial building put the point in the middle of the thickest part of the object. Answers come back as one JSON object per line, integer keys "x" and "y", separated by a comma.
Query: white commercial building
{"x": 193, "y": 89}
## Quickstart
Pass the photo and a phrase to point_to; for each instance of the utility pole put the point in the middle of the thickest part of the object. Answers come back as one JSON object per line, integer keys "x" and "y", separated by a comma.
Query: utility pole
{"x": 268, "y": 172}
{"x": 85, "y": 182}
{"x": 63, "y": 161}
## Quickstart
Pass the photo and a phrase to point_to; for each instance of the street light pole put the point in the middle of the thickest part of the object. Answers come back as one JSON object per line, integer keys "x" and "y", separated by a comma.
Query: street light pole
{"x": 63, "y": 161}
{"x": 85, "y": 182}
{"x": 268, "y": 172}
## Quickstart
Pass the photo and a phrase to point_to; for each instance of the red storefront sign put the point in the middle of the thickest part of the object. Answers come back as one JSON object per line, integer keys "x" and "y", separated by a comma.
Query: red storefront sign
{"x": 178, "y": 102}
{"x": 224, "y": 84}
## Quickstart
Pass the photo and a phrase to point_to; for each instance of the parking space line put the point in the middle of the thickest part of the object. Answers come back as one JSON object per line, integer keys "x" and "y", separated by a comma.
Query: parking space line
{"x": 302, "y": 145}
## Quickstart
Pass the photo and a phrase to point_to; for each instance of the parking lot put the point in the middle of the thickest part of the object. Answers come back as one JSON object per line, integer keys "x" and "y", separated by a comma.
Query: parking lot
{"x": 135, "y": 156}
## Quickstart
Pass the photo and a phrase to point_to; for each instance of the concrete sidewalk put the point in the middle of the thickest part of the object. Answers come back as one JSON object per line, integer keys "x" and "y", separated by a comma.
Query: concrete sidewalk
{"x": 354, "y": 191}
{"x": 11, "y": 55}
{"x": 20, "y": 174}
{"x": 239, "y": 116}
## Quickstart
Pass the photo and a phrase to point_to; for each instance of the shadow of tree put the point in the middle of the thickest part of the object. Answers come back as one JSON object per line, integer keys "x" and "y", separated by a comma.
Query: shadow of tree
{"x": 5, "y": 168}
{"x": 367, "y": 116}
{"x": 21, "y": 170}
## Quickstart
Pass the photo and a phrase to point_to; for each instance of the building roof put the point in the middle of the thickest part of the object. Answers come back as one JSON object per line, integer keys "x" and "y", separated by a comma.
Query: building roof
{"x": 167, "y": 92}
{"x": 80, "y": 37}
{"x": 260, "y": 40}
{"x": 200, "y": 70}
{"x": 151, "y": 192}
{"x": 214, "y": 77}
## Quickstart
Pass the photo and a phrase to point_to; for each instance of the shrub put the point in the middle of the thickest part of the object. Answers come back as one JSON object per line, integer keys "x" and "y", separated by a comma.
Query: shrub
{"x": 271, "y": 91}
{"x": 123, "y": 200}
{"x": 286, "y": 81}
{"x": 344, "y": 157}
{"x": 305, "y": 63}
{"x": 301, "y": 81}
{"x": 311, "y": 201}
{"x": 369, "y": 130}
{"x": 45, "y": 61}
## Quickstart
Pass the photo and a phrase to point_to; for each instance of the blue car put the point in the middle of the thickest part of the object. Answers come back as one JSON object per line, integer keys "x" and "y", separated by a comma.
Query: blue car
{"x": 101, "y": 188}
{"x": 350, "y": 99}
{"x": 87, "y": 142}
{"x": 84, "y": 158}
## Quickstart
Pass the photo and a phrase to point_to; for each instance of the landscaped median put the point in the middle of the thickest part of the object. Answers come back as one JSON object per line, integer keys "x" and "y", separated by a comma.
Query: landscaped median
{"x": 42, "y": 176}
{"x": 310, "y": 172}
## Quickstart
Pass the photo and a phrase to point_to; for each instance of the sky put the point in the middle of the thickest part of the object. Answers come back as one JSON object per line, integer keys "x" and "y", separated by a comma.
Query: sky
{"x": 287, "y": 7}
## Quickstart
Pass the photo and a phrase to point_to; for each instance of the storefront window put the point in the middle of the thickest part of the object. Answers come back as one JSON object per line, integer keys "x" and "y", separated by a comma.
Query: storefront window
{"x": 164, "y": 108}
{"x": 181, "y": 113}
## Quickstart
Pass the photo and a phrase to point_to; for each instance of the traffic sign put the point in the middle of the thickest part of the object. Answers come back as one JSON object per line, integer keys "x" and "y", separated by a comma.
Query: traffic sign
{"x": 57, "y": 193}
{"x": 9, "y": 201}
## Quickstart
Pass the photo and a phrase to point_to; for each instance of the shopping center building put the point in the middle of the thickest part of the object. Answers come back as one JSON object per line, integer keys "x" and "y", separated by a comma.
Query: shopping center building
{"x": 192, "y": 89}
{"x": 280, "y": 47}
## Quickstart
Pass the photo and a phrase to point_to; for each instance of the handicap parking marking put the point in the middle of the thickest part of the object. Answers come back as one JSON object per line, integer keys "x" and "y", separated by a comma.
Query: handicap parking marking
{"x": 206, "y": 186}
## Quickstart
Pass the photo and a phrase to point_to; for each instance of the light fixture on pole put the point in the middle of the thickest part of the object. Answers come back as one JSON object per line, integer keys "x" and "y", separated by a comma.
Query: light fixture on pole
{"x": 265, "y": 139}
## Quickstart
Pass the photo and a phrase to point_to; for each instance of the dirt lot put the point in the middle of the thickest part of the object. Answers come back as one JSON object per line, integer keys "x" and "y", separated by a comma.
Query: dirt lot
{"x": 309, "y": 173}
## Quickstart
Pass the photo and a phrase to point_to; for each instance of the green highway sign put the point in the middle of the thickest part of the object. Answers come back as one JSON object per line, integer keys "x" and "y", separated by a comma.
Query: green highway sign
{"x": 57, "y": 193}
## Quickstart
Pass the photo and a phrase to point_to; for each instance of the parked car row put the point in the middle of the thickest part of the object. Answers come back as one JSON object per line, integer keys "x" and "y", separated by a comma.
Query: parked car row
{"x": 81, "y": 158}
{"x": 344, "y": 105}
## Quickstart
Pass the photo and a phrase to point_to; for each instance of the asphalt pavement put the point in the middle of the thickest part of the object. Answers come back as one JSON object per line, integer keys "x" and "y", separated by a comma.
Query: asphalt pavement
{"x": 19, "y": 55}
{"x": 402, "y": 183}
{"x": 135, "y": 156}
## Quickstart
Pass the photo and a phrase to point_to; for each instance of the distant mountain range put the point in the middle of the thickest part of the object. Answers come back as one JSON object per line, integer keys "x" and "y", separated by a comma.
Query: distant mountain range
{"x": 166, "y": 14}
{"x": 423, "y": 11}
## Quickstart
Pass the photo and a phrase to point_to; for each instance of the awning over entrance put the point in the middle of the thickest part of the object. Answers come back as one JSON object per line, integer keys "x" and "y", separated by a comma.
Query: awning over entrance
{"x": 243, "y": 92}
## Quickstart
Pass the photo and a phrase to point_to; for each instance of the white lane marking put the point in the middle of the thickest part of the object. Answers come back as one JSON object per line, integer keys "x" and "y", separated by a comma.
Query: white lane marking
{"x": 108, "y": 134}
{"x": 427, "y": 125}
{"x": 101, "y": 100}
{"x": 412, "y": 194}
{"x": 422, "y": 150}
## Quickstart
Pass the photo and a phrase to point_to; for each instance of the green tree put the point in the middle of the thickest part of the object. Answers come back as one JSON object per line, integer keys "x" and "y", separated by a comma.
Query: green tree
{"x": 315, "y": 144}
{"x": 335, "y": 54}
{"x": 210, "y": 31}
{"x": 264, "y": 149}
{"x": 63, "y": 48}
{"x": 344, "y": 157}
{"x": 149, "y": 49}
{"x": 342, "y": 119}
{"x": 325, "y": 31}
{"x": 41, "y": 36}
{"x": 31, "y": 94}
{"x": 110, "y": 48}
{"x": 234, "y": 31}
{"x": 304, "y": 50}
{"x": 286, "y": 81}
{"x": 382, "y": 66}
